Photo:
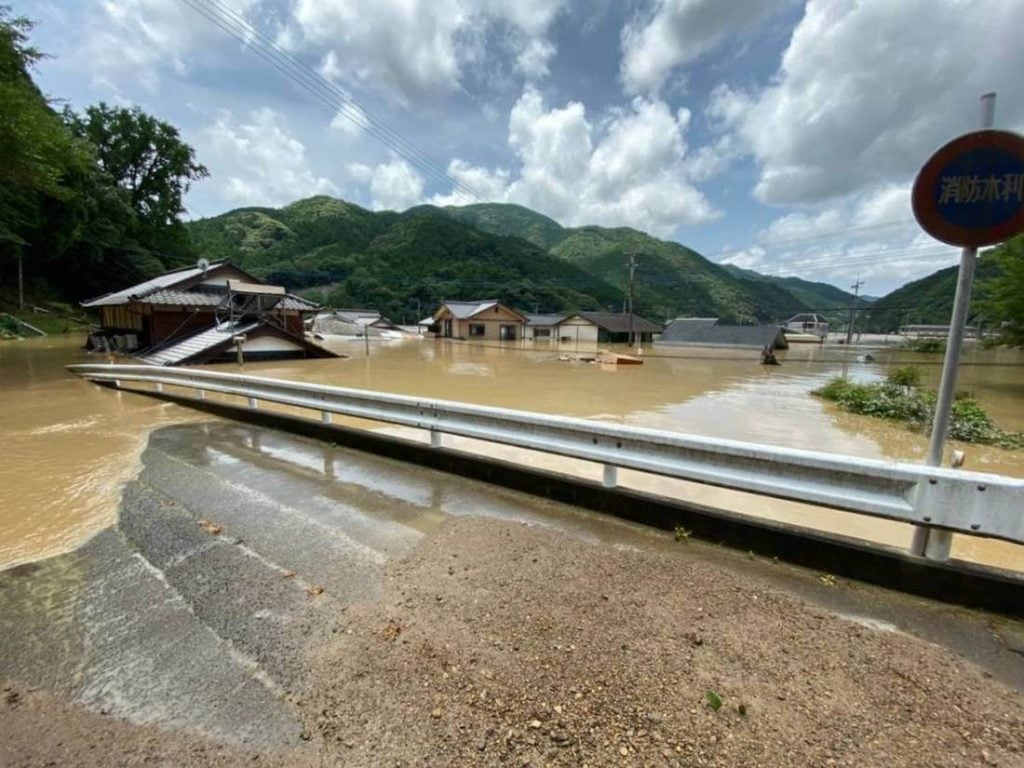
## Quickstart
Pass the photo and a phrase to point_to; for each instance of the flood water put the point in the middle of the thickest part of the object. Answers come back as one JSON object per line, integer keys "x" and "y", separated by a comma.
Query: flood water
{"x": 69, "y": 445}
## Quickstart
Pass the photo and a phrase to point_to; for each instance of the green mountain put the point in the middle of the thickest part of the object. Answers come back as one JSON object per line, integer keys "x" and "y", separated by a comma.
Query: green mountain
{"x": 512, "y": 221}
{"x": 928, "y": 301}
{"x": 823, "y": 298}
{"x": 406, "y": 263}
{"x": 402, "y": 264}
{"x": 671, "y": 279}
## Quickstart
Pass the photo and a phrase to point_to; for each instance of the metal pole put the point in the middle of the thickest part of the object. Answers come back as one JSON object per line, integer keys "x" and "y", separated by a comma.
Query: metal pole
{"x": 853, "y": 308}
{"x": 632, "y": 269}
{"x": 933, "y": 543}
{"x": 21, "y": 283}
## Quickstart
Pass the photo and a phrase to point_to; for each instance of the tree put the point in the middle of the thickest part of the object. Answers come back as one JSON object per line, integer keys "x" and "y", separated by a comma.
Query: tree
{"x": 1005, "y": 302}
{"x": 147, "y": 158}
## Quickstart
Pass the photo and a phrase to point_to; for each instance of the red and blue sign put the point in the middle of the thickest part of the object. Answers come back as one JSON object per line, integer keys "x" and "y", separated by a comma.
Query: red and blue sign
{"x": 971, "y": 192}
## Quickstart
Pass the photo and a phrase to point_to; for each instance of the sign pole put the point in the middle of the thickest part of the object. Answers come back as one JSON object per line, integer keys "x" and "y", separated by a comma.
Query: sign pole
{"x": 931, "y": 542}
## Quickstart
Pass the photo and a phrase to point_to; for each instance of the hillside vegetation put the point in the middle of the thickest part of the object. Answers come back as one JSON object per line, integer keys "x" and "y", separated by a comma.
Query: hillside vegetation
{"x": 402, "y": 264}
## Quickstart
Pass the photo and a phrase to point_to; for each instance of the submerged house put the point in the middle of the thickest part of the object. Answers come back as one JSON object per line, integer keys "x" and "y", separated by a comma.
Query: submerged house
{"x": 810, "y": 323}
{"x": 487, "y": 319}
{"x": 203, "y": 314}
{"x": 542, "y": 327}
{"x": 355, "y": 322}
{"x": 606, "y": 328}
{"x": 706, "y": 332}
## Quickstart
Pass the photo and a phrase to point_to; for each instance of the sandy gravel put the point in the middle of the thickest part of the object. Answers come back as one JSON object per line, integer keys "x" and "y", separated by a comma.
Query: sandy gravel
{"x": 495, "y": 643}
{"x": 499, "y": 644}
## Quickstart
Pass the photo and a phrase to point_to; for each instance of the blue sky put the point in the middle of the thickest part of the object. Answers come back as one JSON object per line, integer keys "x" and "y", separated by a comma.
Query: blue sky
{"x": 778, "y": 135}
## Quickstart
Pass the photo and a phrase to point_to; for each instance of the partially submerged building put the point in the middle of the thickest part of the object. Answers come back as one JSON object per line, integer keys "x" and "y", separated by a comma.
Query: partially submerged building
{"x": 607, "y": 328}
{"x": 543, "y": 327}
{"x": 487, "y": 319}
{"x": 706, "y": 332}
{"x": 203, "y": 314}
{"x": 807, "y": 323}
{"x": 355, "y": 323}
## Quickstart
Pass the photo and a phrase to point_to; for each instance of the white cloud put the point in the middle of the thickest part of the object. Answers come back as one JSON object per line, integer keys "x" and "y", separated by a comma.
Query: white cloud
{"x": 866, "y": 90}
{"x": 415, "y": 48}
{"x": 257, "y": 161}
{"x": 676, "y": 32}
{"x": 871, "y": 235}
{"x": 630, "y": 172}
{"x": 132, "y": 37}
{"x": 350, "y": 121}
{"x": 395, "y": 186}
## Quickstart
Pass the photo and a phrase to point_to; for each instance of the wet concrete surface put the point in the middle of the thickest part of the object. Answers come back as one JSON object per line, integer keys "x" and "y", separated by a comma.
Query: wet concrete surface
{"x": 160, "y": 619}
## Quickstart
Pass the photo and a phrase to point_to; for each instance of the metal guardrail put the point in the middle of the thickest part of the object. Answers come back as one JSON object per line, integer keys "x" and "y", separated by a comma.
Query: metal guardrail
{"x": 965, "y": 502}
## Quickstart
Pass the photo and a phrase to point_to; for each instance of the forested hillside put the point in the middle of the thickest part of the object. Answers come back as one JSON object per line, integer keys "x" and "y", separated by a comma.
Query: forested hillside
{"x": 90, "y": 201}
{"x": 402, "y": 264}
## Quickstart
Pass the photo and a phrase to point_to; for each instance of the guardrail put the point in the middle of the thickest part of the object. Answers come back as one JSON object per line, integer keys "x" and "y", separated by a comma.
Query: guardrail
{"x": 970, "y": 503}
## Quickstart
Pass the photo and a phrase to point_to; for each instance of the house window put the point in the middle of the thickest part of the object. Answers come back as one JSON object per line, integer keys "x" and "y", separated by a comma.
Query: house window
{"x": 542, "y": 333}
{"x": 477, "y": 329}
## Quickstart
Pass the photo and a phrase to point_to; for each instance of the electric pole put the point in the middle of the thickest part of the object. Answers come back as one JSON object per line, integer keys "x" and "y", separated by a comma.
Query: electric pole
{"x": 853, "y": 308}
{"x": 632, "y": 270}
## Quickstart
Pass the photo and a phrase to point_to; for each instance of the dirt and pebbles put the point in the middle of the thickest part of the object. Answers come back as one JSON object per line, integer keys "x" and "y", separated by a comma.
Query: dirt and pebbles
{"x": 496, "y": 643}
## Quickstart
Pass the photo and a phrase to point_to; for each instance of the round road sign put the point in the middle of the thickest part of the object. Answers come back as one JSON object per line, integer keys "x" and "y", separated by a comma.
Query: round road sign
{"x": 971, "y": 191}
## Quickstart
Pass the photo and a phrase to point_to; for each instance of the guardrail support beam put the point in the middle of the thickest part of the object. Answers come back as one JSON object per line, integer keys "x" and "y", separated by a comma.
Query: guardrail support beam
{"x": 159, "y": 386}
{"x": 326, "y": 417}
{"x": 254, "y": 403}
{"x": 611, "y": 476}
{"x": 435, "y": 439}
{"x": 201, "y": 394}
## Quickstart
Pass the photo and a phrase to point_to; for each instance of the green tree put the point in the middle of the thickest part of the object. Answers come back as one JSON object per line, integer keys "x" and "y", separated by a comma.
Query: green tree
{"x": 1005, "y": 302}
{"x": 147, "y": 158}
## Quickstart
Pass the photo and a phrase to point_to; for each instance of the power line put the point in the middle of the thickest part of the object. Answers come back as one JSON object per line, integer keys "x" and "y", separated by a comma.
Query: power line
{"x": 326, "y": 92}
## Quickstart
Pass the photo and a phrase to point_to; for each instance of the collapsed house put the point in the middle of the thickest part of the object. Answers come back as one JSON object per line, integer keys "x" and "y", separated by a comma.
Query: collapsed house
{"x": 202, "y": 314}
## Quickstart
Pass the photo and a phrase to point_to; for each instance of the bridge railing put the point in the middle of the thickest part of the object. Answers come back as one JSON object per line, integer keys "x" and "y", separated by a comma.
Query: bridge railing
{"x": 968, "y": 503}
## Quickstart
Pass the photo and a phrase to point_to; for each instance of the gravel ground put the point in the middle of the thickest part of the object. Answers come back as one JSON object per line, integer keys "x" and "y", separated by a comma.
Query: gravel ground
{"x": 500, "y": 644}
{"x": 495, "y": 643}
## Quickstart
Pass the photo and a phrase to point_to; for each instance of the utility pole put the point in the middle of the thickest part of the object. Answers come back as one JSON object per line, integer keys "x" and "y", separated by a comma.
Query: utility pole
{"x": 21, "y": 284}
{"x": 632, "y": 270}
{"x": 856, "y": 292}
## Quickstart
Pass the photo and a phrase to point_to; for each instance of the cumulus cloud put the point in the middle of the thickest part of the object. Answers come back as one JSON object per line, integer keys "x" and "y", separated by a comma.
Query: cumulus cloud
{"x": 867, "y": 88}
{"x": 256, "y": 160}
{"x": 630, "y": 169}
{"x": 395, "y": 186}
{"x": 676, "y": 32}
{"x": 134, "y": 37}
{"x": 418, "y": 47}
{"x": 871, "y": 235}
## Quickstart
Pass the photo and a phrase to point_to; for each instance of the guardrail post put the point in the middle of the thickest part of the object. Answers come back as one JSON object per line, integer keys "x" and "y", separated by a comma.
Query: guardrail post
{"x": 201, "y": 394}
{"x": 611, "y": 476}
{"x": 326, "y": 417}
{"x": 254, "y": 403}
{"x": 159, "y": 386}
{"x": 435, "y": 439}
{"x": 117, "y": 383}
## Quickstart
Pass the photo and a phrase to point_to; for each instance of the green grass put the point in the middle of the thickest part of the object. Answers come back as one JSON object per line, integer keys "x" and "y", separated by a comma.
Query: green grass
{"x": 900, "y": 398}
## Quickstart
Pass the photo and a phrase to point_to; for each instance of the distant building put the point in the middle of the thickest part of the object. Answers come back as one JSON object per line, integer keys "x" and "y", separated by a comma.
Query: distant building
{"x": 809, "y": 323}
{"x": 202, "y": 314}
{"x": 706, "y": 332}
{"x": 606, "y": 328}
{"x": 487, "y": 319}
{"x": 935, "y": 331}
{"x": 542, "y": 327}
{"x": 354, "y": 322}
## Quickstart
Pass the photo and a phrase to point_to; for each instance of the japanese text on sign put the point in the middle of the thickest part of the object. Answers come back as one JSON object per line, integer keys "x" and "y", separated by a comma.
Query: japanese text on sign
{"x": 975, "y": 189}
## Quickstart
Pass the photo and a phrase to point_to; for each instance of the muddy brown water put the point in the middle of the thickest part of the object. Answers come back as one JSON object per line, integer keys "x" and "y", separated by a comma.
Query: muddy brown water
{"x": 69, "y": 446}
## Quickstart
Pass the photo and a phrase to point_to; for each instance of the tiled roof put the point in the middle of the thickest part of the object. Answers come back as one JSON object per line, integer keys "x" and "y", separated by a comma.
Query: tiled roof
{"x": 544, "y": 320}
{"x": 166, "y": 280}
{"x": 209, "y": 298}
{"x": 685, "y": 332}
{"x": 462, "y": 310}
{"x": 618, "y": 322}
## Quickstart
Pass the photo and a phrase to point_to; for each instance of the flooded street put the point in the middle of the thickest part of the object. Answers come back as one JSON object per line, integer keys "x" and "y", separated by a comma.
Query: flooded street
{"x": 70, "y": 445}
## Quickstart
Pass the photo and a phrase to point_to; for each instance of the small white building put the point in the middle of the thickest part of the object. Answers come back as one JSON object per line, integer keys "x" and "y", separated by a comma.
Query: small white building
{"x": 810, "y": 323}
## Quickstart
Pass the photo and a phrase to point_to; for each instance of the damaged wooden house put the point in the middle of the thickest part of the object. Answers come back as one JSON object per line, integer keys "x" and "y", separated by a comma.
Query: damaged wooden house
{"x": 204, "y": 314}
